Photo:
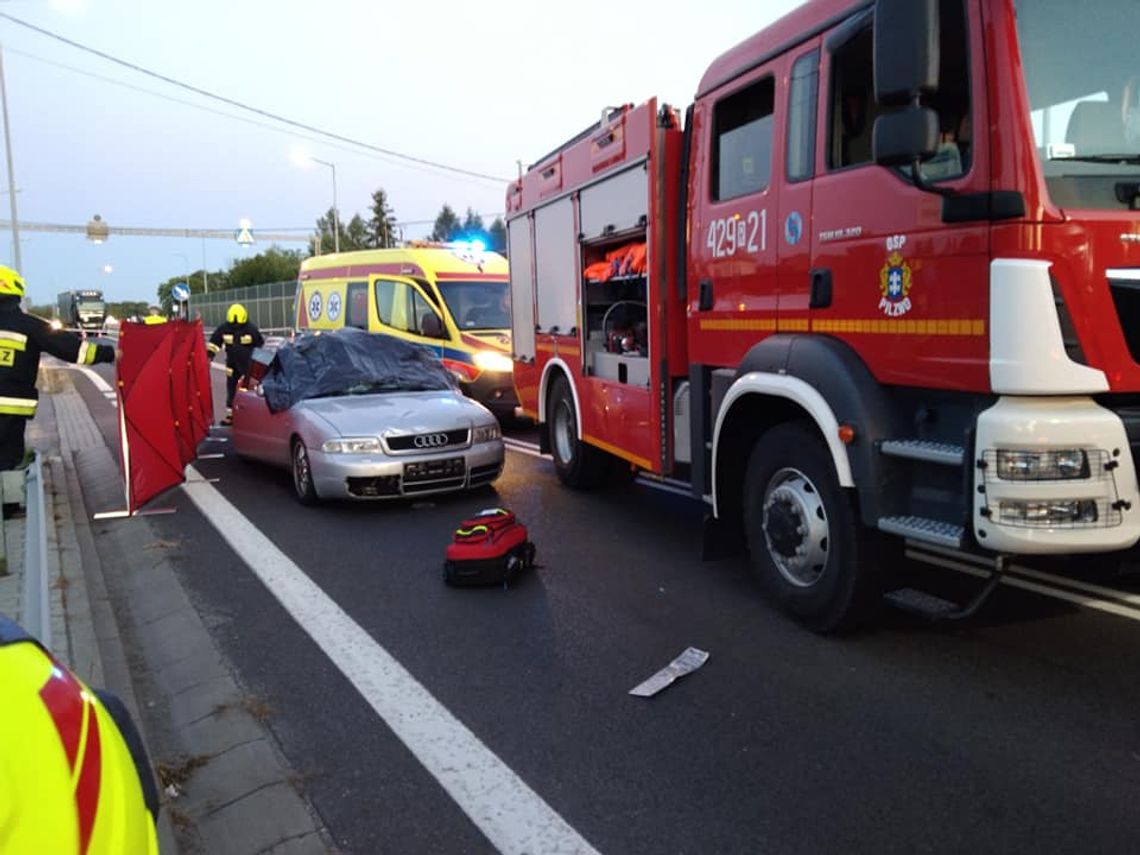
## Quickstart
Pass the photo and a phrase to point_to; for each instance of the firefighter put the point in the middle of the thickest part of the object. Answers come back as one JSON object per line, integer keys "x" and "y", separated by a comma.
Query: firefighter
{"x": 74, "y": 775}
{"x": 154, "y": 316}
{"x": 239, "y": 337}
{"x": 22, "y": 338}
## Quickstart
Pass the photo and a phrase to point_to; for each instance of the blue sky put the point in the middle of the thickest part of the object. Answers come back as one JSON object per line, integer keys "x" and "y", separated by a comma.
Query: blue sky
{"x": 477, "y": 86}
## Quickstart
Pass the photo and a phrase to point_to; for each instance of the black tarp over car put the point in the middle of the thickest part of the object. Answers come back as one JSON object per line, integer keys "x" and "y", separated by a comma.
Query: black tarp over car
{"x": 348, "y": 361}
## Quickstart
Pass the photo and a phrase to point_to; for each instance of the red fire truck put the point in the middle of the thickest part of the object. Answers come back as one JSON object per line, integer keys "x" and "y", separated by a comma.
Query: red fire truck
{"x": 882, "y": 285}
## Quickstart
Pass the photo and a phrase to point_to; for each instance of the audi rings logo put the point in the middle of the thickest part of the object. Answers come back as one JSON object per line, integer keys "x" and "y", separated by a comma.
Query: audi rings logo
{"x": 430, "y": 440}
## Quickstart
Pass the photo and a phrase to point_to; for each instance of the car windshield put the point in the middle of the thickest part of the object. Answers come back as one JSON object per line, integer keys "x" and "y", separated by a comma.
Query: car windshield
{"x": 478, "y": 305}
{"x": 379, "y": 387}
{"x": 1083, "y": 79}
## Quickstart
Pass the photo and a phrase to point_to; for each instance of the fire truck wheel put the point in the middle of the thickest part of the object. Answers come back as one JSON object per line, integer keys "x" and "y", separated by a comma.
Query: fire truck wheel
{"x": 803, "y": 532}
{"x": 578, "y": 465}
{"x": 303, "y": 474}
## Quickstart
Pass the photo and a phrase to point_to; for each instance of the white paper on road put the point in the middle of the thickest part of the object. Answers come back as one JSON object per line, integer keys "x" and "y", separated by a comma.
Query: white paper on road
{"x": 686, "y": 663}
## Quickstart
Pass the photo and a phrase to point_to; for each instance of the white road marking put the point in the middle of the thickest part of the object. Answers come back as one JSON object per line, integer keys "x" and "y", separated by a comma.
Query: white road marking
{"x": 100, "y": 384}
{"x": 1015, "y": 581}
{"x": 511, "y": 815}
{"x": 524, "y": 447}
{"x": 666, "y": 485}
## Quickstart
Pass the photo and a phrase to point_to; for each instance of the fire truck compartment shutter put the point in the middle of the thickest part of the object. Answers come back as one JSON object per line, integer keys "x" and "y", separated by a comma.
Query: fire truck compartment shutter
{"x": 556, "y": 282}
{"x": 522, "y": 288}
{"x": 617, "y": 204}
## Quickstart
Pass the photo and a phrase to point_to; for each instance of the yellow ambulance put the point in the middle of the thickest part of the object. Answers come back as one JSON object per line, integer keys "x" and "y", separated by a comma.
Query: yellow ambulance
{"x": 453, "y": 299}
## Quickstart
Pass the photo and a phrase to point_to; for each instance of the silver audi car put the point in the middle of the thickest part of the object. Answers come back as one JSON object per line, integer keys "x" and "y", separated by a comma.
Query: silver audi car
{"x": 361, "y": 416}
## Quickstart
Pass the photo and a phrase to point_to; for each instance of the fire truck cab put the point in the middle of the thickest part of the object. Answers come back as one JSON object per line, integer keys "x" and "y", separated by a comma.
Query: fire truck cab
{"x": 890, "y": 291}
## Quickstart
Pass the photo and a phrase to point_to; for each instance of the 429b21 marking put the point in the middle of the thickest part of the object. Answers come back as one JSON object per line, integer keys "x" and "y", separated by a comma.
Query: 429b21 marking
{"x": 738, "y": 233}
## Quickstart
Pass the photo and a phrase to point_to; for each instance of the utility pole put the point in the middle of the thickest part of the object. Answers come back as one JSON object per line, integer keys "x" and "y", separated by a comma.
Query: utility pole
{"x": 11, "y": 172}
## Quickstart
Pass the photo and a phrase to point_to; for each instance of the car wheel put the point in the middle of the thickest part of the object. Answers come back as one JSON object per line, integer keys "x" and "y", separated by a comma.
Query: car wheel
{"x": 578, "y": 465}
{"x": 303, "y": 475}
{"x": 804, "y": 535}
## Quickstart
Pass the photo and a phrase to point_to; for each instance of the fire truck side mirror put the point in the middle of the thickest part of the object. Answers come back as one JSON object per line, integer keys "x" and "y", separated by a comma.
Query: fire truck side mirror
{"x": 906, "y": 51}
{"x": 903, "y": 136}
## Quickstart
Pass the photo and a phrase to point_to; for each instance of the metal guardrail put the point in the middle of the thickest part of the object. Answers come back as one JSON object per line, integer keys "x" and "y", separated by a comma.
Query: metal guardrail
{"x": 37, "y": 609}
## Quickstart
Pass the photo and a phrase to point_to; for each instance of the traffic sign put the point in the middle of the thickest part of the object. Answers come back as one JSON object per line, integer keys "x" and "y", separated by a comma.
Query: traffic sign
{"x": 244, "y": 234}
{"x": 180, "y": 292}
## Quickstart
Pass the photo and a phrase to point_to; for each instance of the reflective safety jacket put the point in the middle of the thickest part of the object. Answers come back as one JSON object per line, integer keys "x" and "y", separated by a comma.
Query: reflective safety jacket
{"x": 23, "y": 338}
{"x": 74, "y": 774}
{"x": 239, "y": 340}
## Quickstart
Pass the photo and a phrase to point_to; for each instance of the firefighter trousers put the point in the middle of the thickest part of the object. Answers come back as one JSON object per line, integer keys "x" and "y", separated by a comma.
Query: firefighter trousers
{"x": 231, "y": 387}
{"x": 12, "y": 440}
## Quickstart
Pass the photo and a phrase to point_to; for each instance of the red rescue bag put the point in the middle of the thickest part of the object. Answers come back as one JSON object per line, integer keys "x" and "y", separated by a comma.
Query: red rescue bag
{"x": 490, "y": 548}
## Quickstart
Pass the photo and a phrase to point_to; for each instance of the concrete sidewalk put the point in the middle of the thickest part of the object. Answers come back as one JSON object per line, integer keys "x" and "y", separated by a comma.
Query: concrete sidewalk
{"x": 121, "y": 621}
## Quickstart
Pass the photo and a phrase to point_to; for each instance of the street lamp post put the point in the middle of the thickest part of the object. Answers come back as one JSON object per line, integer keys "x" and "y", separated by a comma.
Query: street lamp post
{"x": 336, "y": 224}
{"x": 11, "y": 175}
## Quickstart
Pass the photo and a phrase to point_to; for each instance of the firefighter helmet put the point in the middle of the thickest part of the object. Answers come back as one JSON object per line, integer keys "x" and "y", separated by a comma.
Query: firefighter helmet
{"x": 11, "y": 282}
{"x": 71, "y": 762}
{"x": 236, "y": 314}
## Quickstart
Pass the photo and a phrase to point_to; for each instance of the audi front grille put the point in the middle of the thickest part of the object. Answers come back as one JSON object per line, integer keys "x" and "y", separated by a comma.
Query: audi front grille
{"x": 420, "y": 443}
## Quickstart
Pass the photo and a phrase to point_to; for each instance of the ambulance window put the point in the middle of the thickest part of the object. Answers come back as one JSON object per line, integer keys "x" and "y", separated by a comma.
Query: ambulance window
{"x": 801, "y": 116}
{"x": 385, "y": 296}
{"x": 357, "y": 312}
{"x": 422, "y": 309}
{"x": 742, "y": 141}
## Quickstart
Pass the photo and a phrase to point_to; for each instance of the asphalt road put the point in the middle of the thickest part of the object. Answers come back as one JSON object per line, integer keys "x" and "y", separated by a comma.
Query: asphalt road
{"x": 1015, "y": 732}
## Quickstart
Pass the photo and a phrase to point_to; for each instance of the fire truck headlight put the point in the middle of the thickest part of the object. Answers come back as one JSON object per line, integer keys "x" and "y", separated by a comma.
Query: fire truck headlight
{"x": 489, "y": 360}
{"x": 1053, "y": 465}
{"x": 1049, "y": 512}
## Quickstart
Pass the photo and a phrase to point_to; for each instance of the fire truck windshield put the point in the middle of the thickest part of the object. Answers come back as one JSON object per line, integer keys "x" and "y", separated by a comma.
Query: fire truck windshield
{"x": 478, "y": 305}
{"x": 1082, "y": 73}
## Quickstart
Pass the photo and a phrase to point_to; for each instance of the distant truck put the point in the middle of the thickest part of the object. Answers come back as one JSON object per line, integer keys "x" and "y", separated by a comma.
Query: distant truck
{"x": 83, "y": 309}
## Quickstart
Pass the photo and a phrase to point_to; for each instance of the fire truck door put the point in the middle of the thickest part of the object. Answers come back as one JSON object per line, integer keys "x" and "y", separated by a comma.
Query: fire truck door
{"x": 733, "y": 287}
{"x": 908, "y": 290}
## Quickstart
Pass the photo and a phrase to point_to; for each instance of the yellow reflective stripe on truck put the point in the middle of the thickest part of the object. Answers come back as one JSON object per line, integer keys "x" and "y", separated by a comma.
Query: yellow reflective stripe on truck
{"x": 17, "y": 406}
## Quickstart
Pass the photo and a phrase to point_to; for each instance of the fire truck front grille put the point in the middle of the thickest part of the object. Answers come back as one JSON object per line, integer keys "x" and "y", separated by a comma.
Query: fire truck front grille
{"x": 1125, "y": 288}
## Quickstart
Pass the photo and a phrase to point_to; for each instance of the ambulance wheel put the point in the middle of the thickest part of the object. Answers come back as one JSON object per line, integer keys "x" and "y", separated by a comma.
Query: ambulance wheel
{"x": 303, "y": 474}
{"x": 804, "y": 535}
{"x": 578, "y": 465}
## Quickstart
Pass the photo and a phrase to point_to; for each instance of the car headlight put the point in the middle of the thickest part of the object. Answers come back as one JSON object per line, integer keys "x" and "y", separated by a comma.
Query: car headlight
{"x": 485, "y": 433}
{"x": 1064, "y": 464}
{"x": 489, "y": 360}
{"x": 352, "y": 445}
